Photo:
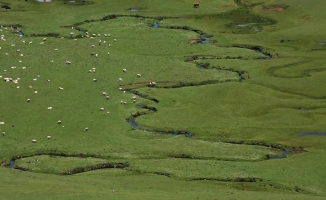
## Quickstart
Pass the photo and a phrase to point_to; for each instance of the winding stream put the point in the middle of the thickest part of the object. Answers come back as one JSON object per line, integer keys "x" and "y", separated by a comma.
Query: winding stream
{"x": 133, "y": 124}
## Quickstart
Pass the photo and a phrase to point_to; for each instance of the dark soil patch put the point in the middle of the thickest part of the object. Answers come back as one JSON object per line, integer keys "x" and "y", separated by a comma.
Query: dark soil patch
{"x": 275, "y": 8}
{"x": 297, "y": 150}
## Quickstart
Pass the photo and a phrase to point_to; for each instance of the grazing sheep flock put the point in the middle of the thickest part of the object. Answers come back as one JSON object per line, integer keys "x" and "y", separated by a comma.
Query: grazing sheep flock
{"x": 102, "y": 45}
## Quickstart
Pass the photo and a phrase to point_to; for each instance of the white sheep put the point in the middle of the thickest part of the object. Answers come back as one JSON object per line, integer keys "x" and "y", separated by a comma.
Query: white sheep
{"x": 138, "y": 75}
{"x": 49, "y": 108}
{"x": 68, "y": 62}
{"x": 44, "y": 39}
{"x": 30, "y": 42}
{"x": 101, "y": 109}
{"x": 3, "y": 133}
{"x": 107, "y": 97}
{"x": 120, "y": 79}
{"x": 86, "y": 129}
{"x": 104, "y": 93}
{"x": 94, "y": 80}
{"x": 152, "y": 84}
{"x": 124, "y": 70}
{"x": 35, "y": 92}
{"x": 120, "y": 88}
{"x": 59, "y": 122}
{"x": 34, "y": 141}
{"x": 49, "y": 137}
{"x": 28, "y": 100}
{"x": 90, "y": 71}
{"x": 60, "y": 88}
{"x": 114, "y": 40}
{"x": 93, "y": 46}
{"x": 108, "y": 53}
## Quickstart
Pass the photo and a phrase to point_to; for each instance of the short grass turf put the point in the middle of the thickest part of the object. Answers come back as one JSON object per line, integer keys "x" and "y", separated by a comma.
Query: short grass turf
{"x": 277, "y": 99}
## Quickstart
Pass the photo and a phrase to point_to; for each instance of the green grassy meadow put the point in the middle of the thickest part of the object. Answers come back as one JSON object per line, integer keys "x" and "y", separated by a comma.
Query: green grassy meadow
{"x": 241, "y": 98}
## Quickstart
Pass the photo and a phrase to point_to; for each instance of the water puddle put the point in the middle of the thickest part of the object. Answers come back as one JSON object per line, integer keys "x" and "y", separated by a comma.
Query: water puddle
{"x": 283, "y": 155}
{"x": 267, "y": 56}
{"x": 155, "y": 25}
{"x": 11, "y": 165}
{"x": 20, "y": 33}
{"x": 312, "y": 134}
{"x": 44, "y": 1}
{"x": 200, "y": 66}
{"x": 132, "y": 10}
{"x": 321, "y": 43}
{"x": 204, "y": 39}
